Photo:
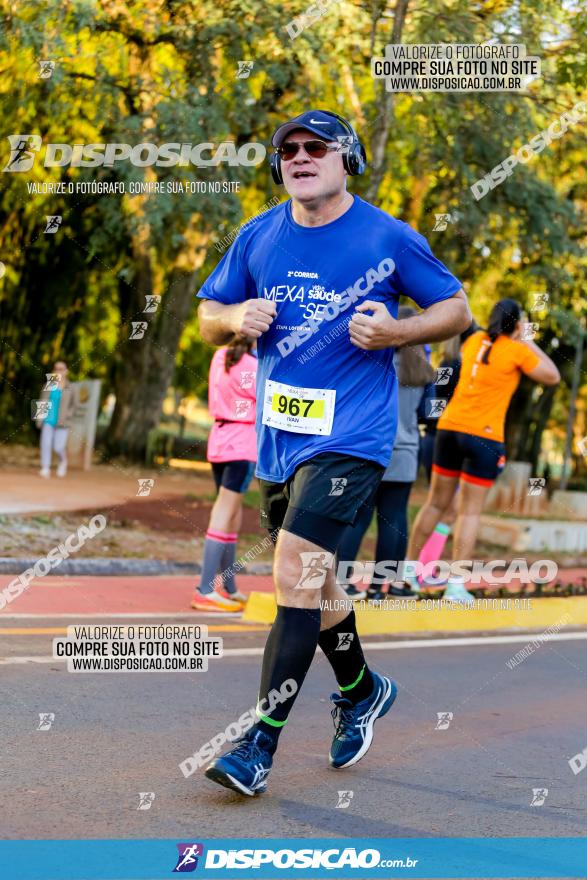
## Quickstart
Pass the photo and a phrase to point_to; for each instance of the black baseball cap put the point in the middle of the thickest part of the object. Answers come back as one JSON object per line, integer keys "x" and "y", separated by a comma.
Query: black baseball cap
{"x": 320, "y": 123}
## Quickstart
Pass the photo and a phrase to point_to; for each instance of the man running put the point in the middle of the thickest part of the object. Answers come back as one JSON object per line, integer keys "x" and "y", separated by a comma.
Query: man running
{"x": 316, "y": 280}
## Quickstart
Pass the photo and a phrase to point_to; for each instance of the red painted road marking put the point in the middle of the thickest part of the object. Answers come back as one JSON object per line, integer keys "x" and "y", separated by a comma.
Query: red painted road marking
{"x": 133, "y": 595}
{"x": 87, "y": 595}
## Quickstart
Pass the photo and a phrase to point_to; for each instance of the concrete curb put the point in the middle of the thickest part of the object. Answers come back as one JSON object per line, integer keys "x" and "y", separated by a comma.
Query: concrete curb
{"x": 557, "y": 613}
{"x": 121, "y": 566}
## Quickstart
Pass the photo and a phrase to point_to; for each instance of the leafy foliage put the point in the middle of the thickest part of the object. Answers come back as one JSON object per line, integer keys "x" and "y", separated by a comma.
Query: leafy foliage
{"x": 160, "y": 71}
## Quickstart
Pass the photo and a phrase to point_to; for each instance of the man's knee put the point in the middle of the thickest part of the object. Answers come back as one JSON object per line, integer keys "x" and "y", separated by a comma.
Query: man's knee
{"x": 301, "y": 570}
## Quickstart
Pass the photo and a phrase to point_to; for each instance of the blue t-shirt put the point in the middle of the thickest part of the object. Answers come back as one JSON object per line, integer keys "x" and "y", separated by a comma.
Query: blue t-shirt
{"x": 55, "y": 400}
{"x": 316, "y": 276}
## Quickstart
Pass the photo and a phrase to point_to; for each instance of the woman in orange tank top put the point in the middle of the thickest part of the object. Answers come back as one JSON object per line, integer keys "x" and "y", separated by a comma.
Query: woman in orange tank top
{"x": 469, "y": 449}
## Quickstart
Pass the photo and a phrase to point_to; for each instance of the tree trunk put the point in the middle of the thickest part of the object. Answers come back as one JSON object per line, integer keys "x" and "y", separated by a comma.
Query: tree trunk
{"x": 386, "y": 108}
{"x": 543, "y": 414}
{"x": 568, "y": 454}
{"x": 145, "y": 367}
{"x": 518, "y": 418}
{"x": 413, "y": 212}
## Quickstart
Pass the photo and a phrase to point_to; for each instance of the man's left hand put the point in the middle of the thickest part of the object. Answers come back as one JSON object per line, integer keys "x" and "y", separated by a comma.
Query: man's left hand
{"x": 375, "y": 331}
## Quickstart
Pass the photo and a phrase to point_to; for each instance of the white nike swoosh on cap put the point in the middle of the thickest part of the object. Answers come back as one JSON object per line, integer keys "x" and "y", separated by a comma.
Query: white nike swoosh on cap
{"x": 318, "y": 122}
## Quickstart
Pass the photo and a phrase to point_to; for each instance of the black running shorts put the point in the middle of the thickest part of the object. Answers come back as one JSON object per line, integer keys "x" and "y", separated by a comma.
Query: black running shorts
{"x": 321, "y": 498}
{"x": 468, "y": 457}
{"x": 233, "y": 475}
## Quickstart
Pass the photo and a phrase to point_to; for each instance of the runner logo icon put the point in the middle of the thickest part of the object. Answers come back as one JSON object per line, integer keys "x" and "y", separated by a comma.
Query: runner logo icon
{"x": 314, "y": 569}
{"x": 536, "y": 485}
{"x": 443, "y": 375}
{"x": 242, "y": 408}
{"x": 539, "y": 795}
{"x": 46, "y": 69}
{"x": 46, "y": 719}
{"x": 146, "y": 799}
{"x": 188, "y": 857}
{"x": 441, "y": 222}
{"x": 40, "y": 409}
{"x": 529, "y": 331}
{"x": 244, "y": 69}
{"x": 444, "y": 719}
{"x": 540, "y": 302}
{"x": 53, "y": 222}
{"x": 22, "y": 151}
{"x": 435, "y": 407}
{"x": 138, "y": 329}
{"x": 338, "y": 484}
{"x": 152, "y": 302}
{"x": 344, "y": 641}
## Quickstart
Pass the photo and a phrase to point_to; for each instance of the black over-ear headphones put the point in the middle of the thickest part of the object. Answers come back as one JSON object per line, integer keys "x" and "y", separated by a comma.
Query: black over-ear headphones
{"x": 354, "y": 155}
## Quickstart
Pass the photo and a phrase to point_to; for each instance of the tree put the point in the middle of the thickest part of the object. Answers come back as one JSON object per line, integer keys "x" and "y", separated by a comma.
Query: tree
{"x": 157, "y": 72}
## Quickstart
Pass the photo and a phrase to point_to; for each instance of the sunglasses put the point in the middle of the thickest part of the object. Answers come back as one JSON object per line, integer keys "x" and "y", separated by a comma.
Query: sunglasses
{"x": 314, "y": 149}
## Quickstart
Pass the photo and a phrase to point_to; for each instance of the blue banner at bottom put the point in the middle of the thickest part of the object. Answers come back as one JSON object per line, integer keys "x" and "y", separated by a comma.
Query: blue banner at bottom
{"x": 306, "y": 858}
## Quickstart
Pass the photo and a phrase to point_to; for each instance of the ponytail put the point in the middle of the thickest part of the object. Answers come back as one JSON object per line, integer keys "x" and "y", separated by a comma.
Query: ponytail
{"x": 235, "y": 350}
{"x": 502, "y": 322}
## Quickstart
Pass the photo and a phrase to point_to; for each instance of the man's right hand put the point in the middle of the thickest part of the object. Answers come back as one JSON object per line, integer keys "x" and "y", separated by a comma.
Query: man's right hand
{"x": 253, "y": 317}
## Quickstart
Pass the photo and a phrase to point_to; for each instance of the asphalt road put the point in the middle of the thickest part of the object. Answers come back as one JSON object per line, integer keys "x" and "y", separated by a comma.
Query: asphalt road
{"x": 116, "y": 735}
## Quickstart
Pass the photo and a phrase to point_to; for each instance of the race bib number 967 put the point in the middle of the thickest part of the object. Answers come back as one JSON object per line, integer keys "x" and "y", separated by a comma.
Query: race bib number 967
{"x": 301, "y": 410}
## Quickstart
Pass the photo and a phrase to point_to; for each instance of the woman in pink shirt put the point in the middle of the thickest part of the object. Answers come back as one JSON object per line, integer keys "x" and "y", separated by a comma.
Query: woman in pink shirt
{"x": 232, "y": 452}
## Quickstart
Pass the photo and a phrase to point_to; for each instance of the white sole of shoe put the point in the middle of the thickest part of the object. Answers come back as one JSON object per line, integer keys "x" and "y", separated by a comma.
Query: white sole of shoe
{"x": 228, "y": 781}
{"x": 240, "y": 786}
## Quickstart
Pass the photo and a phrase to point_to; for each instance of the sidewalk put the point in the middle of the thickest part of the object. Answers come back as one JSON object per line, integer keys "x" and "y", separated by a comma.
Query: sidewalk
{"x": 24, "y": 491}
{"x": 166, "y": 523}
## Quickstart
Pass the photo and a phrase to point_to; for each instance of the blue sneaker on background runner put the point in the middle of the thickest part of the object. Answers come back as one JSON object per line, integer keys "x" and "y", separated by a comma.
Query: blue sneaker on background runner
{"x": 354, "y": 724}
{"x": 246, "y": 767}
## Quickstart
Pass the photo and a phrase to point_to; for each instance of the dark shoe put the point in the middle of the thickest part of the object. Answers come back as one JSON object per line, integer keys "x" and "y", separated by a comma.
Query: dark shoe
{"x": 245, "y": 768}
{"x": 403, "y": 591}
{"x": 354, "y": 724}
{"x": 354, "y": 594}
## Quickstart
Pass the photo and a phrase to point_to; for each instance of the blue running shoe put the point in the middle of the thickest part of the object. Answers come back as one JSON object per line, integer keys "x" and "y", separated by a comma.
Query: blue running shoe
{"x": 354, "y": 724}
{"x": 246, "y": 767}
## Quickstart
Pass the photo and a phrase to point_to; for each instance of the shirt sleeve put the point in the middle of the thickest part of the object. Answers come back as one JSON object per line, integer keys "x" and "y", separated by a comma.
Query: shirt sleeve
{"x": 231, "y": 281}
{"x": 419, "y": 274}
{"x": 528, "y": 360}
